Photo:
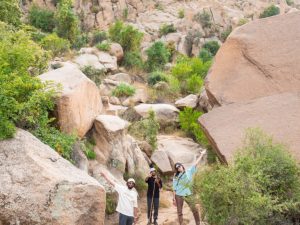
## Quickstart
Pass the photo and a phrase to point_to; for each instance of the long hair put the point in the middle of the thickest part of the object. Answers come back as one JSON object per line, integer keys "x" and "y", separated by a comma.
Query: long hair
{"x": 177, "y": 172}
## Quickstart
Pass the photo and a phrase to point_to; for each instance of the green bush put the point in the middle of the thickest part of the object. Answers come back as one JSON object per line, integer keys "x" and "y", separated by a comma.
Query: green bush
{"x": 95, "y": 75}
{"x": 212, "y": 47}
{"x": 126, "y": 35}
{"x": 55, "y": 44}
{"x": 243, "y": 21}
{"x": 123, "y": 90}
{"x": 188, "y": 119}
{"x": 270, "y": 11}
{"x": 204, "y": 18}
{"x": 133, "y": 60}
{"x": 262, "y": 186}
{"x": 67, "y": 23}
{"x": 103, "y": 46}
{"x": 111, "y": 203}
{"x": 181, "y": 14}
{"x": 88, "y": 149}
{"x": 156, "y": 77}
{"x": 166, "y": 29}
{"x": 158, "y": 56}
{"x": 81, "y": 40}
{"x": 98, "y": 37}
{"x": 205, "y": 55}
{"x": 226, "y": 33}
{"x": 290, "y": 2}
{"x": 41, "y": 18}
{"x": 10, "y": 12}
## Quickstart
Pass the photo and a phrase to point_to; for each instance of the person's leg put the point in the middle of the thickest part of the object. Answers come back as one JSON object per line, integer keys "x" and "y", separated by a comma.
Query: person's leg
{"x": 179, "y": 203}
{"x": 190, "y": 200}
{"x": 149, "y": 213}
{"x": 156, "y": 206}
{"x": 122, "y": 219}
{"x": 130, "y": 220}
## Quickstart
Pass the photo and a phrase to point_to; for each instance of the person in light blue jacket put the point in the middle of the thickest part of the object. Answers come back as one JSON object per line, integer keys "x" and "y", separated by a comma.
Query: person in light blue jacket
{"x": 182, "y": 189}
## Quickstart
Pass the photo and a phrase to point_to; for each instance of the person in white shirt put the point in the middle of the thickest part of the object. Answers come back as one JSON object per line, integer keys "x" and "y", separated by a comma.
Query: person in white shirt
{"x": 127, "y": 202}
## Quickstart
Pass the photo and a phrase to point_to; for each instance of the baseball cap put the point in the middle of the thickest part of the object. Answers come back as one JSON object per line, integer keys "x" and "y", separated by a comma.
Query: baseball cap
{"x": 131, "y": 180}
{"x": 177, "y": 165}
{"x": 152, "y": 169}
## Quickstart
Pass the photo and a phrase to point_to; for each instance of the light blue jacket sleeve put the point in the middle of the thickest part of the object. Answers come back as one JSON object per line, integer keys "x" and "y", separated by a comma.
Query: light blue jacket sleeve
{"x": 190, "y": 172}
{"x": 174, "y": 183}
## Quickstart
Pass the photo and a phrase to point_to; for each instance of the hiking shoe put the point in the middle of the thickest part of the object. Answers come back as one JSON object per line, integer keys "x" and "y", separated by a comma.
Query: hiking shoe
{"x": 149, "y": 222}
{"x": 155, "y": 223}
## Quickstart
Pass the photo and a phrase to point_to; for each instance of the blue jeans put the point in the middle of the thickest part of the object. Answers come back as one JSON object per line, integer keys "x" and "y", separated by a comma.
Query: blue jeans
{"x": 125, "y": 220}
{"x": 154, "y": 205}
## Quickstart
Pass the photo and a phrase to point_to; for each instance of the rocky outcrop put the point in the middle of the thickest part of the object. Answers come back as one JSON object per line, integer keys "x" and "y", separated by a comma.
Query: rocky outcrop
{"x": 188, "y": 101}
{"x": 277, "y": 115}
{"x": 115, "y": 148}
{"x": 40, "y": 187}
{"x": 172, "y": 149}
{"x": 251, "y": 64}
{"x": 79, "y": 102}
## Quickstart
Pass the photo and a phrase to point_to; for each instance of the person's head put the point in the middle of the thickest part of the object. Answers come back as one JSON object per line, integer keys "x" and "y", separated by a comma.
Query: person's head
{"x": 179, "y": 168}
{"x": 152, "y": 172}
{"x": 130, "y": 183}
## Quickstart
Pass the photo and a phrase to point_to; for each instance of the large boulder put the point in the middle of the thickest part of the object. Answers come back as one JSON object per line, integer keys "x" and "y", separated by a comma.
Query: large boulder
{"x": 90, "y": 60}
{"x": 252, "y": 63}
{"x": 38, "y": 186}
{"x": 188, "y": 101}
{"x": 79, "y": 102}
{"x": 115, "y": 148}
{"x": 165, "y": 114}
{"x": 277, "y": 115}
{"x": 172, "y": 149}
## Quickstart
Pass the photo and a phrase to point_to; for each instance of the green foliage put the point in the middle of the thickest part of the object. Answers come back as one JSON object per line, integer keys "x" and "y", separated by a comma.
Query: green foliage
{"x": 166, "y": 29}
{"x": 156, "y": 77}
{"x": 81, "y": 40}
{"x": 123, "y": 90}
{"x": 262, "y": 186}
{"x": 41, "y": 18}
{"x": 205, "y": 55}
{"x": 212, "y": 47}
{"x": 190, "y": 72}
{"x": 126, "y": 35}
{"x": 146, "y": 129}
{"x": 103, "y": 46}
{"x": 88, "y": 149}
{"x": 158, "y": 56}
{"x": 10, "y": 12}
{"x": 55, "y": 44}
{"x": 204, "y": 18}
{"x": 67, "y": 23}
{"x": 111, "y": 203}
{"x": 225, "y": 33}
{"x": 270, "y": 11}
{"x": 188, "y": 119}
{"x": 243, "y": 21}
{"x": 94, "y": 74}
{"x": 181, "y": 14}
{"x": 133, "y": 60}
{"x": 125, "y": 13}
{"x": 98, "y": 37}
{"x": 290, "y": 2}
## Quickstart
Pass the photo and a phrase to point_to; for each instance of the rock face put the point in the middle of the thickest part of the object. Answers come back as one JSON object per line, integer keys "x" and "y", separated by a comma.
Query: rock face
{"x": 40, "y": 187}
{"x": 172, "y": 149}
{"x": 80, "y": 101}
{"x": 115, "y": 148}
{"x": 251, "y": 64}
{"x": 277, "y": 115}
{"x": 188, "y": 101}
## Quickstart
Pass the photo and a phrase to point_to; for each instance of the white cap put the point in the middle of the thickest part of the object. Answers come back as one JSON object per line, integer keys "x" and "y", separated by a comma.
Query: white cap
{"x": 152, "y": 169}
{"x": 131, "y": 180}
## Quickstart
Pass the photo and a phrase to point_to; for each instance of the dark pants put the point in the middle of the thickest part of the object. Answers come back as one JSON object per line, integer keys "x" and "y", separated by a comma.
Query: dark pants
{"x": 191, "y": 203}
{"x": 125, "y": 220}
{"x": 154, "y": 206}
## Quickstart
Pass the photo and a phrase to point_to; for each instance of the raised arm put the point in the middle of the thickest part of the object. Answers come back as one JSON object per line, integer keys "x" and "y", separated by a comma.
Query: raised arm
{"x": 113, "y": 183}
{"x": 200, "y": 158}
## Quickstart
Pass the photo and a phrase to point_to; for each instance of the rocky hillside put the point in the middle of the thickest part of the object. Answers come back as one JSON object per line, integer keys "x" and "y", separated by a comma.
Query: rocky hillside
{"x": 118, "y": 86}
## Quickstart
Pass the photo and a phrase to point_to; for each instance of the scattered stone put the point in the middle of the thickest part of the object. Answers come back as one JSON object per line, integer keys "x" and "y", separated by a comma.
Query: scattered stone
{"x": 188, "y": 101}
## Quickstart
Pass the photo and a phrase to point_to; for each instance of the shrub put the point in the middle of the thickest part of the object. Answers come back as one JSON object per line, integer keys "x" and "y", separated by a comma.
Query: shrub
{"x": 123, "y": 90}
{"x": 205, "y": 55}
{"x": 103, "y": 46}
{"x": 166, "y": 29}
{"x": 158, "y": 56}
{"x": 290, "y": 2}
{"x": 133, "y": 60}
{"x": 41, "y": 18}
{"x": 94, "y": 74}
{"x": 156, "y": 77}
{"x": 125, "y": 13}
{"x": 98, "y": 37}
{"x": 270, "y": 11}
{"x": 126, "y": 35}
{"x": 188, "y": 119}
{"x": 67, "y": 23}
{"x": 87, "y": 147}
{"x": 194, "y": 83}
{"x": 55, "y": 44}
{"x": 181, "y": 14}
{"x": 242, "y": 21}
{"x": 225, "y": 33}
{"x": 262, "y": 186}
{"x": 111, "y": 203}
{"x": 81, "y": 40}
{"x": 212, "y": 47}
{"x": 10, "y": 12}
{"x": 204, "y": 19}
{"x": 171, "y": 49}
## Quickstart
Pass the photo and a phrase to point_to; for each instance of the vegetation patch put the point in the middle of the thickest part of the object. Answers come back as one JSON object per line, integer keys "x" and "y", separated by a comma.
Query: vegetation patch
{"x": 158, "y": 56}
{"x": 270, "y": 11}
{"x": 166, "y": 29}
{"x": 55, "y": 44}
{"x": 123, "y": 90}
{"x": 95, "y": 75}
{"x": 41, "y": 18}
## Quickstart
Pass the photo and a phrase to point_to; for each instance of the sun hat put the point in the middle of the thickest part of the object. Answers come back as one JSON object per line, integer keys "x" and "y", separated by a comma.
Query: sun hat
{"x": 177, "y": 165}
{"x": 152, "y": 169}
{"x": 131, "y": 180}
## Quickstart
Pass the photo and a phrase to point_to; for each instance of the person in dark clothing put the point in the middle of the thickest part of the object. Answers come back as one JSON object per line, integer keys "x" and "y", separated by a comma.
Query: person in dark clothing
{"x": 154, "y": 186}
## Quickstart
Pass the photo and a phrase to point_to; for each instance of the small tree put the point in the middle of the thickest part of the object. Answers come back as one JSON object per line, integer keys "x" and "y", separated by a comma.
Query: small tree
{"x": 41, "y": 18}
{"x": 158, "y": 56}
{"x": 270, "y": 11}
{"x": 10, "y": 12}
